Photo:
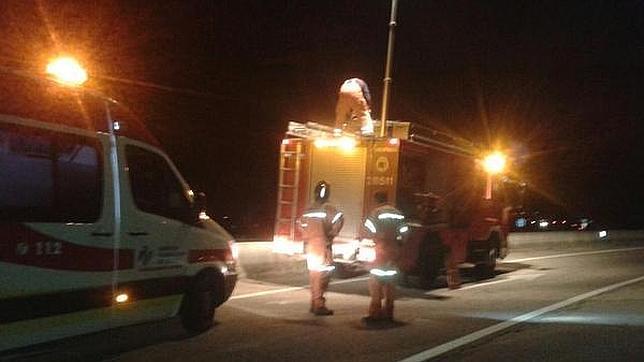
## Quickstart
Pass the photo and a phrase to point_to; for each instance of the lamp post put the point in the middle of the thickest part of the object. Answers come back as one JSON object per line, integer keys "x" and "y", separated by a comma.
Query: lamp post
{"x": 389, "y": 60}
{"x": 493, "y": 164}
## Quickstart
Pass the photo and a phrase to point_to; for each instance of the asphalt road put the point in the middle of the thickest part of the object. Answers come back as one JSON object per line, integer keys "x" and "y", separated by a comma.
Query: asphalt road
{"x": 582, "y": 303}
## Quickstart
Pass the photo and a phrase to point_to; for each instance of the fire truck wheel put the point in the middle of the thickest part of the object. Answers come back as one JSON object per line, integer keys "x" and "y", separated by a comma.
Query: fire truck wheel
{"x": 403, "y": 279}
{"x": 486, "y": 269}
{"x": 430, "y": 261}
{"x": 197, "y": 309}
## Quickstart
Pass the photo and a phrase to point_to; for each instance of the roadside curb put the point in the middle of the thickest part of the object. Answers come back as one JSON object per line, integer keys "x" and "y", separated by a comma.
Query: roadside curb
{"x": 555, "y": 239}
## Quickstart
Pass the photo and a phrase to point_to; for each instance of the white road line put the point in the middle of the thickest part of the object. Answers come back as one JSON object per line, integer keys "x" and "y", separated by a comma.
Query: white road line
{"x": 266, "y": 292}
{"x": 472, "y": 337}
{"x": 291, "y": 289}
{"x": 509, "y": 278}
{"x": 573, "y": 254}
{"x": 520, "y": 275}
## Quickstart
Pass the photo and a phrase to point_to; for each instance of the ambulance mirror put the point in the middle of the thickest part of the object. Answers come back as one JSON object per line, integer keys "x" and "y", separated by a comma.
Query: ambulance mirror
{"x": 198, "y": 205}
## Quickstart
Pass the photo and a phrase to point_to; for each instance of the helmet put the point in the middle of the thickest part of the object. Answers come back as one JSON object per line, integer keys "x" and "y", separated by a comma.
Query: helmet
{"x": 322, "y": 191}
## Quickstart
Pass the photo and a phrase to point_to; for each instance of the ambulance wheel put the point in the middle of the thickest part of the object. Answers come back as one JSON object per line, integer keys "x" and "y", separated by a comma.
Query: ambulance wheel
{"x": 198, "y": 307}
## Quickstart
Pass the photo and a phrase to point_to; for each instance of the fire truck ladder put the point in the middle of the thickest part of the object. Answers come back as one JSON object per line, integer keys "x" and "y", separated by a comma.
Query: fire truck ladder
{"x": 289, "y": 179}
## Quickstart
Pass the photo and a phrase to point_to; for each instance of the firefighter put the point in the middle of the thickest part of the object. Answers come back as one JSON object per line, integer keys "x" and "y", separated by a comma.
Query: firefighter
{"x": 429, "y": 211}
{"x": 435, "y": 219}
{"x": 353, "y": 109}
{"x": 321, "y": 222}
{"x": 387, "y": 227}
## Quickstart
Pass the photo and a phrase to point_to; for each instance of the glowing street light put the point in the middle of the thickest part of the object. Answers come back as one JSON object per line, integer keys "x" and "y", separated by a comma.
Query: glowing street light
{"x": 67, "y": 71}
{"x": 493, "y": 164}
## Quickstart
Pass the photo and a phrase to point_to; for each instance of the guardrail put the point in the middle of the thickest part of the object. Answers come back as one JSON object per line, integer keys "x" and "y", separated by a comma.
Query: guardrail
{"x": 256, "y": 258}
{"x": 554, "y": 238}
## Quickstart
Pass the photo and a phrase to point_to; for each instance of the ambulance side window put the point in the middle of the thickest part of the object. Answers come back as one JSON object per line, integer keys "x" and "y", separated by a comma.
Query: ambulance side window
{"x": 155, "y": 188}
{"x": 48, "y": 176}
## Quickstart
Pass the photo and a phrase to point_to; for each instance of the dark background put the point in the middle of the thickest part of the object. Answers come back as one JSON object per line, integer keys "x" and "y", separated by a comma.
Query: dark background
{"x": 557, "y": 84}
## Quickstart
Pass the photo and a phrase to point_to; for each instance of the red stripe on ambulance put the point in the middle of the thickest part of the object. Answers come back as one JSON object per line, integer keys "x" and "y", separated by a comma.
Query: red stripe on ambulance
{"x": 206, "y": 255}
{"x": 25, "y": 246}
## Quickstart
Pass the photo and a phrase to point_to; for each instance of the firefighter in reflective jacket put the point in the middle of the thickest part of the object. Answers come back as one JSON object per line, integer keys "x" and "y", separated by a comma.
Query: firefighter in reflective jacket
{"x": 353, "y": 112}
{"x": 320, "y": 224}
{"x": 387, "y": 227}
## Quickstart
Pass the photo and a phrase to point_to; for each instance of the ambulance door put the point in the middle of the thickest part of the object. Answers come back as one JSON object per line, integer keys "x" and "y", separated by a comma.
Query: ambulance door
{"x": 157, "y": 212}
{"x": 56, "y": 233}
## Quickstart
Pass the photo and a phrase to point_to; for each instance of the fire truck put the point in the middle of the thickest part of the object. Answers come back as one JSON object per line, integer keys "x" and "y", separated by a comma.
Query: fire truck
{"x": 411, "y": 162}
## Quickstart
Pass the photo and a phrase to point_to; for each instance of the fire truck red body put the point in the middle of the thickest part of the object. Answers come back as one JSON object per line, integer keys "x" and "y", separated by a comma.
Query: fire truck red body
{"x": 410, "y": 162}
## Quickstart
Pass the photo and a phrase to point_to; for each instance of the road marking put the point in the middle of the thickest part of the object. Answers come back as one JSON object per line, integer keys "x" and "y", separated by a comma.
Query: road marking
{"x": 291, "y": 289}
{"x": 529, "y": 275}
{"x": 266, "y": 292}
{"x": 472, "y": 337}
{"x": 573, "y": 254}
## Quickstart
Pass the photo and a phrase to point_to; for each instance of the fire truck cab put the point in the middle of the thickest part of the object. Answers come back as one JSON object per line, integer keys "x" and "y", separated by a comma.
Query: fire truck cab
{"x": 410, "y": 162}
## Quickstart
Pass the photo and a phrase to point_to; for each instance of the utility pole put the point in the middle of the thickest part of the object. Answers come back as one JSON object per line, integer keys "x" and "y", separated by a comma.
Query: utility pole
{"x": 387, "y": 78}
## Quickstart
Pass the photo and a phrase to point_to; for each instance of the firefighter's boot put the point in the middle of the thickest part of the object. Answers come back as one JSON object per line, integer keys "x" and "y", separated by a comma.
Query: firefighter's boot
{"x": 389, "y": 291}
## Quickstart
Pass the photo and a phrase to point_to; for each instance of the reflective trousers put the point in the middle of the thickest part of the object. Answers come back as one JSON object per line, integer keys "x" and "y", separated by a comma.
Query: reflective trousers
{"x": 379, "y": 290}
{"x": 319, "y": 282}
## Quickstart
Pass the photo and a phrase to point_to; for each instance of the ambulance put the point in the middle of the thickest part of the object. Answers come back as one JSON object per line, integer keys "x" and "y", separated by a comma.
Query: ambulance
{"x": 98, "y": 229}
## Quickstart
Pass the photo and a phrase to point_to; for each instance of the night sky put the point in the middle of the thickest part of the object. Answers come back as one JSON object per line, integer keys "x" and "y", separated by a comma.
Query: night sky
{"x": 558, "y": 83}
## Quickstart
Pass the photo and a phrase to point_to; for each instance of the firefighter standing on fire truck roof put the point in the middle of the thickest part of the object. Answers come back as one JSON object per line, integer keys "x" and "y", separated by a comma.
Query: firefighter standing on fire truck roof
{"x": 320, "y": 223}
{"x": 353, "y": 107}
{"x": 387, "y": 227}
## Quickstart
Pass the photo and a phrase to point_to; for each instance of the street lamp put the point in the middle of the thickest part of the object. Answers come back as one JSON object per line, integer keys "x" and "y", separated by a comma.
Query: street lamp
{"x": 493, "y": 163}
{"x": 67, "y": 71}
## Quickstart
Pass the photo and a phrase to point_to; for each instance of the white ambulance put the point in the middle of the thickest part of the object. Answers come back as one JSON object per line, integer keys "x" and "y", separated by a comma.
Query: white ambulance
{"x": 97, "y": 228}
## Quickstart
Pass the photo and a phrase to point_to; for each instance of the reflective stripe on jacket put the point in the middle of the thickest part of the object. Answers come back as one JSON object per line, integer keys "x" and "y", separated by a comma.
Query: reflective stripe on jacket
{"x": 387, "y": 227}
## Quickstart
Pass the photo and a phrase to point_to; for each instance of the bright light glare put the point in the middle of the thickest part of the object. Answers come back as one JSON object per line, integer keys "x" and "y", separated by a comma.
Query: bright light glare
{"x": 122, "y": 298}
{"x": 347, "y": 143}
{"x": 544, "y": 224}
{"x": 282, "y": 245}
{"x": 322, "y": 143}
{"x": 603, "y": 234}
{"x": 394, "y": 141}
{"x": 367, "y": 254}
{"x": 316, "y": 263}
{"x": 67, "y": 71}
{"x": 344, "y": 143}
{"x": 494, "y": 163}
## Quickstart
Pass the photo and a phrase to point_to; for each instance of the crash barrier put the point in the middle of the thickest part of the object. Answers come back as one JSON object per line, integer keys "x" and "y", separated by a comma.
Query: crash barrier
{"x": 257, "y": 259}
{"x": 565, "y": 238}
